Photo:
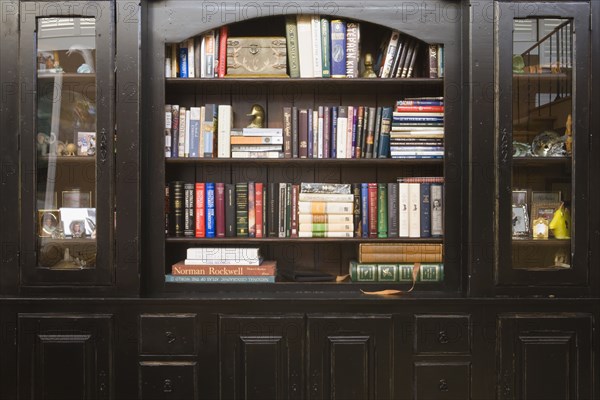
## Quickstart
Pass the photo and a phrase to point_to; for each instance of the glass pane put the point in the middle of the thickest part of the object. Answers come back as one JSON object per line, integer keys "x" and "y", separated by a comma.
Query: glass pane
{"x": 543, "y": 142}
{"x": 66, "y": 143}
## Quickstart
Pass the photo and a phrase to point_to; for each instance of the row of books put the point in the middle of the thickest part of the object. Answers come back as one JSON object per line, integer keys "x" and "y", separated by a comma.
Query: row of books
{"x": 399, "y": 54}
{"x": 322, "y": 132}
{"x": 411, "y": 208}
{"x": 372, "y": 272}
{"x": 316, "y": 48}
{"x": 223, "y": 265}
{"x": 417, "y": 128}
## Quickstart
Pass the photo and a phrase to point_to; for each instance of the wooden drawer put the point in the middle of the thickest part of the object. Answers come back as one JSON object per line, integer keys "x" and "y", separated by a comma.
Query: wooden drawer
{"x": 442, "y": 381}
{"x": 442, "y": 334}
{"x": 168, "y": 380}
{"x": 168, "y": 334}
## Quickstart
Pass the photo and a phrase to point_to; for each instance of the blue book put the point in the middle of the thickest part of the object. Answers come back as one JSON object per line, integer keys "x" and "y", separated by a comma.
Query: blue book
{"x": 425, "y": 210}
{"x": 332, "y": 142}
{"x": 220, "y": 278}
{"x": 208, "y": 129}
{"x": 183, "y": 62}
{"x": 338, "y": 48}
{"x": 383, "y": 149}
{"x": 364, "y": 209}
{"x": 310, "y": 133}
{"x": 194, "y": 131}
{"x": 210, "y": 210}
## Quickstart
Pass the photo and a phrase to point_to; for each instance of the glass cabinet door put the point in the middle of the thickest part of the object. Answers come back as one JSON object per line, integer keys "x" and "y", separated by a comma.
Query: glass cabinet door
{"x": 542, "y": 139}
{"x": 66, "y": 143}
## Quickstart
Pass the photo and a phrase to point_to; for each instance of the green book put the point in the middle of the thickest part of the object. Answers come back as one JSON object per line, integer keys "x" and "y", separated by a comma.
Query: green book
{"x": 241, "y": 209}
{"x": 291, "y": 35}
{"x": 363, "y": 272}
{"x": 382, "y": 210}
{"x": 427, "y": 273}
{"x": 388, "y": 272}
{"x": 325, "y": 51}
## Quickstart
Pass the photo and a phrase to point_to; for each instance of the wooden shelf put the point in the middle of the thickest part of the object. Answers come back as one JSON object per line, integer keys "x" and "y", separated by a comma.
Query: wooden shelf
{"x": 540, "y": 161}
{"x": 541, "y": 242}
{"x": 69, "y": 159}
{"x": 307, "y": 81}
{"x": 270, "y": 240}
{"x": 307, "y": 161}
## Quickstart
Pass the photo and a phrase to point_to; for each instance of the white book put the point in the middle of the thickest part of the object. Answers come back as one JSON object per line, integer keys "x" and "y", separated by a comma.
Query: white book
{"x": 332, "y": 197}
{"x": 256, "y": 147}
{"x": 167, "y": 67}
{"x": 316, "y": 46}
{"x": 305, "y": 51}
{"x": 320, "y": 133}
{"x": 224, "y": 123}
{"x": 168, "y": 124}
{"x": 342, "y": 127}
{"x": 262, "y": 132}
{"x": 403, "y": 209}
{"x": 325, "y": 219}
{"x": 256, "y": 154}
{"x": 329, "y": 227}
{"x": 222, "y": 261}
{"x": 218, "y": 253}
{"x": 349, "y": 132}
{"x": 326, "y": 234}
{"x": 414, "y": 210}
{"x": 324, "y": 207}
{"x": 181, "y": 148}
{"x": 186, "y": 148}
{"x": 191, "y": 61}
{"x": 208, "y": 55}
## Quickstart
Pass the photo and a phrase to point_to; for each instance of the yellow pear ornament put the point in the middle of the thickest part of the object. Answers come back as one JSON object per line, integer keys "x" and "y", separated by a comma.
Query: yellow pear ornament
{"x": 561, "y": 223}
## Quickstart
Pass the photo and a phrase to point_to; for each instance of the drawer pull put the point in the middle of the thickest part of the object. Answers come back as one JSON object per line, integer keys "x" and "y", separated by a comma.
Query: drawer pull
{"x": 167, "y": 386}
{"x": 443, "y": 386}
{"x": 170, "y": 337}
{"x": 443, "y": 337}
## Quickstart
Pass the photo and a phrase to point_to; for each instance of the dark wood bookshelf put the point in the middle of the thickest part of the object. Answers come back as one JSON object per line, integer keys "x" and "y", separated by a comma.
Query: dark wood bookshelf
{"x": 540, "y": 161}
{"x": 247, "y": 240}
{"x": 309, "y": 161}
{"x": 307, "y": 81}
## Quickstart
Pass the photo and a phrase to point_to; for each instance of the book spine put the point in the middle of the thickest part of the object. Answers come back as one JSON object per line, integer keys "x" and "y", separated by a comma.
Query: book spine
{"x": 373, "y": 210}
{"x": 201, "y": 132}
{"x": 440, "y": 61}
{"x": 331, "y": 188}
{"x": 413, "y": 60}
{"x": 326, "y": 131}
{"x": 361, "y": 272}
{"x": 325, "y": 219}
{"x": 167, "y": 61}
{"x": 189, "y": 223}
{"x": 209, "y": 129}
{"x": 390, "y": 54}
{"x": 315, "y": 135}
{"x": 291, "y": 33}
{"x": 288, "y": 209}
{"x": 223, "y": 270}
{"x": 197, "y": 56}
{"x": 320, "y": 207}
{"x": 174, "y": 130}
{"x": 168, "y": 127}
{"x": 360, "y": 113}
{"x": 200, "y": 210}
{"x": 400, "y": 49}
{"x": 258, "y": 206}
{"x": 303, "y": 133}
{"x": 393, "y": 215}
{"x": 384, "y": 137}
{"x": 403, "y": 55}
{"x": 183, "y": 62}
{"x": 364, "y": 209}
{"x": 294, "y": 217}
{"x": 191, "y": 58}
{"x": 224, "y": 123}
{"x": 398, "y": 258}
{"x": 194, "y": 131}
{"x": 338, "y": 48}
{"x": 333, "y": 135}
{"x": 320, "y": 132}
{"x": 328, "y": 227}
{"x": 351, "y": 132}
{"x": 287, "y": 132}
{"x": 210, "y": 210}
{"x": 182, "y": 124}
{"x": 304, "y": 234}
{"x": 311, "y": 134}
{"x": 377, "y": 132}
{"x": 281, "y": 212}
{"x": 167, "y": 210}
{"x": 356, "y": 209}
{"x": 315, "y": 23}
{"x": 305, "y": 50}
{"x": 403, "y": 210}
{"x": 419, "y": 109}
{"x": 352, "y": 49}
{"x": 325, "y": 49}
{"x": 295, "y": 132}
{"x": 425, "y": 210}
{"x": 220, "y": 209}
{"x": 241, "y": 210}
{"x": 342, "y": 130}
{"x": 174, "y": 60}
{"x": 414, "y": 206}
{"x": 222, "y": 65}
{"x": 219, "y": 279}
{"x": 176, "y": 204}
{"x": 437, "y": 206}
{"x": 364, "y": 132}
{"x": 273, "y": 212}
{"x": 251, "y": 210}
{"x": 370, "y": 132}
{"x": 427, "y": 273}
{"x": 382, "y": 211}
{"x": 333, "y": 197}
{"x": 208, "y": 64}
{"x": 230, "y": 206}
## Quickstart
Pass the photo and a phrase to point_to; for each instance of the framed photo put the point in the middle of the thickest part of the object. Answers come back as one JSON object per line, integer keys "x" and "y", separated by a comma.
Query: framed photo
{"x": 519, "y": 197}
{"x": 76, "y": 199}
{"x": 78, "y": 222}
{"x": 48, "y": 221}
{"x": 520, "y": 221}
{"x": 539, "y": 228}
{"x": 86, "y": 143}
{"x": 545, "y": 197}
{"x": 543, "y": 210}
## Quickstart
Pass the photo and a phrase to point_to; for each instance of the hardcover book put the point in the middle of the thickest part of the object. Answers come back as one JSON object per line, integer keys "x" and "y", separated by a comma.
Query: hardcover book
{"x": 266, "y": 268}
{"x": 325, "y": 48}
{"x": 210, "y": 210}
{"x": 188, "y": 223}
{"x": 241, "y": 211}
{"x": 177, "y": 208}
{"x": 352, "y": 49}
{"x": 200, "y": 210}
{"x": 256, "y": 57}
{"x": 291, "y": 35}
{"x": 230, "y": 208}
{"x": 220, "y": 209}
{"x": 338, "y": 49}
{"x": 305, "y": 50}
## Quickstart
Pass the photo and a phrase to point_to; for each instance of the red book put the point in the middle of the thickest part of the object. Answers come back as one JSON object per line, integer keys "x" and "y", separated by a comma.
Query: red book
{"x": 294, "y": 223}
{"x": 266, "y": 268}
{"x": 199, "y": 212}
{"x": 420, "y": 109}
{"x": 258, "y": 209}
{"x": 372, "y": 191}
{"x": 220, "y": 209}
{"x": 251, "y": 210}
{"x": 222, "y": 68}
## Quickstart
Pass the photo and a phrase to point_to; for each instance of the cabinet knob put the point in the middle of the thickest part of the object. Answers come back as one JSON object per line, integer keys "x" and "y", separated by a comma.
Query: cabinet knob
{"x": 443, "y": 337}
{"x": 167, "y": 386}
{"x": 103, "y": 146}
{"x": 443, "y": 386}
{"x": 170, "y": 337}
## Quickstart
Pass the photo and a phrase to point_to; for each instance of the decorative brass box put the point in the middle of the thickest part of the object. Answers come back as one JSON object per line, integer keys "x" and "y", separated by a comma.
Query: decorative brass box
{"x": 256, "y": 57}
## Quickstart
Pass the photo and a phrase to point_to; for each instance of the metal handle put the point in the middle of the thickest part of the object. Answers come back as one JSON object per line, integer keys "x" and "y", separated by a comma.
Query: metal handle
{"x": 443, "y": 337}
{"x": 167, "y": 386}
{"x": 103, "y": 146}
{"x": 170, "y": 337}
{"x": 443, "y": 386}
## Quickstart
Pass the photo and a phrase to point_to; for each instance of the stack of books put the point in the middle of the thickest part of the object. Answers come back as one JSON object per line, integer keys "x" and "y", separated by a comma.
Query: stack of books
{"x": 403, "y": 272}
{"x": 223, "y": 265}
{"x": 257, "y": 143}
{"x": 418, "y": 128}
{"x": 325, "y": 210}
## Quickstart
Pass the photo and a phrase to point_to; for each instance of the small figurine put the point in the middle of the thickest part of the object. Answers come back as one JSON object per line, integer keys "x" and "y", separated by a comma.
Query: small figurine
{"x": 569, "y": 135}
{"x": 368, "y": 72}
{"x": 70, "y": 149}
{"x": 561, "y": 223}
{"x": 259, "y": 116}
